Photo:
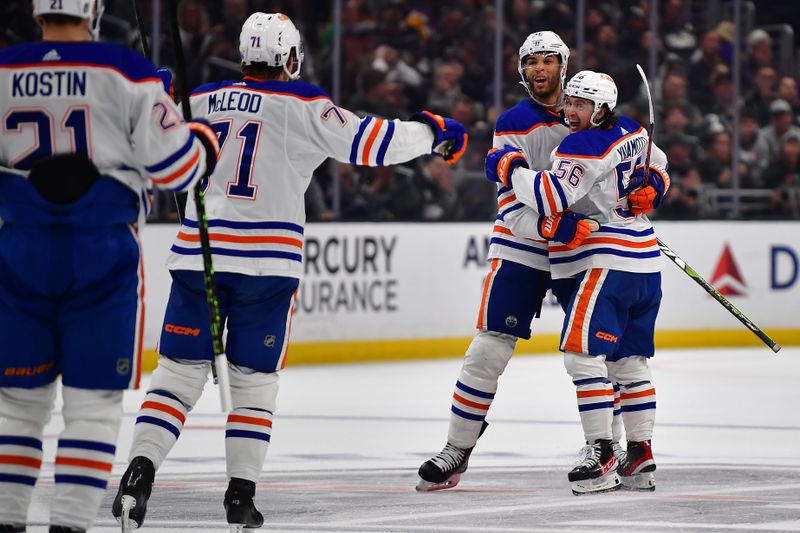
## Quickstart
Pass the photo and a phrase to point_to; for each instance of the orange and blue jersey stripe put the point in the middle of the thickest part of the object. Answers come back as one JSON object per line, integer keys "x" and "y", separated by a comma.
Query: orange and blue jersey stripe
{"x": 371, "y": 132}
{"x": 84, "y": 462}
{"x": 259, "y": 239}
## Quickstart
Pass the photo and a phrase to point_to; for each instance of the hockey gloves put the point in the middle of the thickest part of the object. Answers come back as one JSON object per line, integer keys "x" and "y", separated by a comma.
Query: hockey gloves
{"x": 643, "y": 199}
{"x": 450, "y": 138}
{"x": 500, "y": 164}
{"x": 567, "y": 227}
{"x": 203, "y": 132}
{"x": 166, "y": 78}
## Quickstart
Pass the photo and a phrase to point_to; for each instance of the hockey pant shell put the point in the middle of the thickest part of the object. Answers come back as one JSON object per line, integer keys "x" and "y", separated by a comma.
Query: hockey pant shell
{"x": 485, "y": 360}
{"x": 174, "y": 389}
{"x": 512, "y": 295}
{"x": 637, "y": 396}
{"x": 248, "y": 429}
{"x": 71, "y": 303}
{"x": 256, "y": 310}
{"x": 612, "y": 313}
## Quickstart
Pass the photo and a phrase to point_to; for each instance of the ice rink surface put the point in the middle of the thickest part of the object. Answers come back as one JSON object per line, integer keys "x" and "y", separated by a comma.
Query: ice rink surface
{"x": 347, "y": 441}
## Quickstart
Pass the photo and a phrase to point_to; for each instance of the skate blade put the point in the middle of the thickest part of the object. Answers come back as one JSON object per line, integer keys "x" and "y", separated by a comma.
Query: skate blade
{"x": 128, "y": 503}
{"x": 645, "y": 482}
{"x": 429, "y": 486}
{"x": 606, "y": 483}
{"x": 236, "y": 528}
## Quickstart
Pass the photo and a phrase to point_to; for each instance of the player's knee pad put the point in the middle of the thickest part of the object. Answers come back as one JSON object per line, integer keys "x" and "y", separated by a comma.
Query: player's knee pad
{"x": 28, "y": 405}
{"x": 631, "y": 369}
{"x": 185, "y": 379}
{"x": 488, "y": 354}
{"x": 253, "y": 389}
{"x": 581, "y": 366}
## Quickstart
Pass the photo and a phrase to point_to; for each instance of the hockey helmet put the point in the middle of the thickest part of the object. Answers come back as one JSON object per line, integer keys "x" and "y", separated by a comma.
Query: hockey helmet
{"x": 547, "y": 43}
{"x": 270, "y": 38}
{"x": 595, "y": 86}
{"x": 83, "y": 9}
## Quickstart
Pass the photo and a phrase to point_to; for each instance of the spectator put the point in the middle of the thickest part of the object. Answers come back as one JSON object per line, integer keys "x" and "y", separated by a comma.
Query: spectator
{"x": 715, "y": 169}
{"x": 754, "y": 151}
{"x": 759, "y": 53}
{"x": 446, "y": 89}
{"x": 439, "y": 198}
{"x": 787, "y": 90}
{"x": 677, "y": 28}
{"x": 703, "y": 63}
{"x": 674, "y": 92}
{"x": 781, "y": 123}
{"x": 682, "y": 201}
{"x": 195, "y": 32}
{"x": 762, "y": 94}
{"x": 783, "y": 176}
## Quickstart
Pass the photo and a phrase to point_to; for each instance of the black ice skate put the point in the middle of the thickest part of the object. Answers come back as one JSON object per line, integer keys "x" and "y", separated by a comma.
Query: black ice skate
{"x": 130, "y": 504}
{"x": 444, "y": 470}
{"x": 242, "y": 512}
{"x": 66, "y": 529}
{"x": 636, "y": 470}
{"x": 12, "y": 528}
{"x": 597, "y": 470}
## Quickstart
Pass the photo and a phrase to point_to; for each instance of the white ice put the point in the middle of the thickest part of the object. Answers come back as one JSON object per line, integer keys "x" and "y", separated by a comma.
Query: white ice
{"x": 348, "y": 439}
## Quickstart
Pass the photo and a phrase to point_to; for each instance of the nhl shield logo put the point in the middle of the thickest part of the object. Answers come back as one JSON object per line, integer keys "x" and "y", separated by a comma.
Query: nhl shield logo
{"x": 123, "y": 367}
{"x": 269, "y": 341}
{"x": 511, "y": 321}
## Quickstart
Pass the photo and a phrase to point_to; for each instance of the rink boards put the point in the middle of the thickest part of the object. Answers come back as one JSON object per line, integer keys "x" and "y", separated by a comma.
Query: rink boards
{"x": 412, "y": 291}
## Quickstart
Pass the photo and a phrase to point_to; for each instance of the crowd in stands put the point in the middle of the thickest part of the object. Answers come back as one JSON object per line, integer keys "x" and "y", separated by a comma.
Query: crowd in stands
{"x": 399, "y": 56}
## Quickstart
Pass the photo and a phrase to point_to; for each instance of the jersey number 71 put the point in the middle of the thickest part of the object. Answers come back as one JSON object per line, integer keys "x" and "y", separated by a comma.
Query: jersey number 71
{"x": 241, "y": 186}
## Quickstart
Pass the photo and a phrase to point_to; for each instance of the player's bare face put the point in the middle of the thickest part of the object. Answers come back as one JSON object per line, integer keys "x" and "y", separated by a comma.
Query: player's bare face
{"x": 579, "y": 113}
{"x": 543, "y": 73}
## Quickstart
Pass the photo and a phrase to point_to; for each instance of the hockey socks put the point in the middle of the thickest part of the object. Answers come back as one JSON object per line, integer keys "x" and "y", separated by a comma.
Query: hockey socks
{"x": 247, "y": 435}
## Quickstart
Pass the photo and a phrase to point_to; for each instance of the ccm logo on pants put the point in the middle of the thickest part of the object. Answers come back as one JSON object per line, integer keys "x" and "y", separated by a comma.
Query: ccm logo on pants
{"x": 181, "y": 330}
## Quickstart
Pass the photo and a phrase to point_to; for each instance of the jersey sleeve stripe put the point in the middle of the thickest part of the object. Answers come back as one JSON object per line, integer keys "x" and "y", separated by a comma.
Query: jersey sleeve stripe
{"x": 182, "y": 171}
{"x": 385, "y": 144}
{"x": 506, "y": 200}
{"x": 518, "y": 246}
{"x": 502, "y": 214}
{"x": 548, "y": 191}
{"x": 560, "y": 191}
{"x": 173, "y": 158}
{"x": 608, "y": 251}
{"x": 357, "y": 140}
{"x": 631, "y": 232}
{"x": 370, "y": 141}
{"x": 187, "y": 182}
{"x": 537, "y": 186}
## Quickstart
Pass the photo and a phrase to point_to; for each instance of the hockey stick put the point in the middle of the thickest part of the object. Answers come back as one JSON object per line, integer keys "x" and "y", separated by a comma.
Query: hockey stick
{"x": 692, "y": 273}
{"x": 147, "y": 53}
{"x": 219, "y": 367}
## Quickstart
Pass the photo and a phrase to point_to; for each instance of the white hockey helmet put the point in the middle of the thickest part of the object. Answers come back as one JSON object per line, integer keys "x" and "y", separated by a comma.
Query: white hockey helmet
{"x": 270, "y": 38}
{"x": 595, "y": 86}
{"x": 83, "y": 9}
{"x": 547, "y": 43}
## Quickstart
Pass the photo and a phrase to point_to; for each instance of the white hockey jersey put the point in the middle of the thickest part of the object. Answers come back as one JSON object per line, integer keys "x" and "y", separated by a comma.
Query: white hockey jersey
{"x": 590, "y": 172}
{"x": 273, "y": 135}
{"x": 536, "y": 131}
{"x": 101, "y": 100}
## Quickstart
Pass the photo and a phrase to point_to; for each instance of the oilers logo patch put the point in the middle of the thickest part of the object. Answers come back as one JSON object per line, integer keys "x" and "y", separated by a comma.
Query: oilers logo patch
{"x": 511, "y": 321}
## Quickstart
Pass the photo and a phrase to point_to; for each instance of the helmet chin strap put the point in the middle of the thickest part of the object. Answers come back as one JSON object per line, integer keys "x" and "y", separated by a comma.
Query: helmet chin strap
{"x": 559, "y": 103}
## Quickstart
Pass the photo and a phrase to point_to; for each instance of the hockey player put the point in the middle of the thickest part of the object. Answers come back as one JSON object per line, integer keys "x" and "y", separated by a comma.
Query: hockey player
{"x": 519, "y": 276}
{"x": 274, "y": 131}
{"x": 608, "y": 330}
{"x": 87, "y": 129}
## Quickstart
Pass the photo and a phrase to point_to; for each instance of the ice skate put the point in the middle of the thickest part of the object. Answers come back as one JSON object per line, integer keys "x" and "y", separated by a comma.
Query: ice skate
{"x": 239, "y": 506}
{"x": 130, "y": 504}
{"x": 12, "y": 528}
{"x": 66, "y": 529}
{"x": 636, "y": 470}
{"x": 596, "y": 471}
{"x": 444, "y": 470}
{"x": 619, "y": 451}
